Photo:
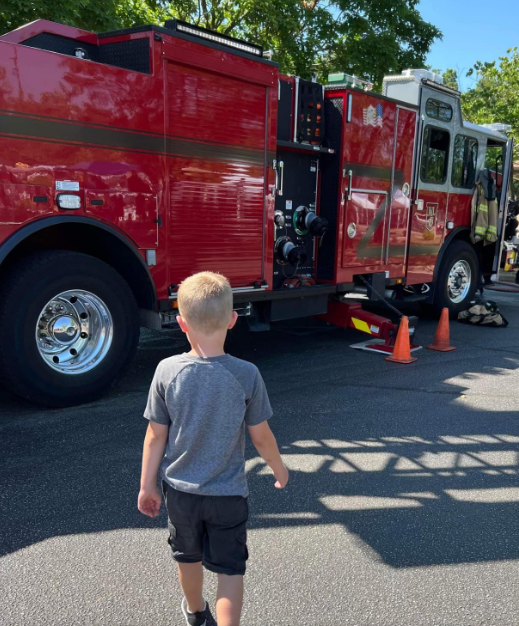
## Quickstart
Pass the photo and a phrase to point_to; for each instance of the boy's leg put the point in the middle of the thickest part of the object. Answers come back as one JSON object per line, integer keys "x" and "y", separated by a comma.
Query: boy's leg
{"x": 226, "y": 554}
{"x": 191, "y": 577}
{"x": 229, "y": 600}
{"x": 186, "y": 535}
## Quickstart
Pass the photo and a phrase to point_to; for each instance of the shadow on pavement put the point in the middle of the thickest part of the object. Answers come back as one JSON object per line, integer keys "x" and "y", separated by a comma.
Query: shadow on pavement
{"x": 414, "y": 501}
{"x": 397, "y": 456}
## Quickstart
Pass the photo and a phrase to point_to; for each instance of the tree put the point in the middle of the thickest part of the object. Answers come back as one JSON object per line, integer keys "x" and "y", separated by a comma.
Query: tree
{"x": 368, "y": 38}
{"x": 100, "y": 14}
{"x": 450, "y": 79}
{"x": 495, "y": 96}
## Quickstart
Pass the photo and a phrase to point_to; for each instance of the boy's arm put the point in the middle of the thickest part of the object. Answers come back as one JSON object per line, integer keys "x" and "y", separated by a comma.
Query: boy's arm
{"x": 265, "y": 443}
{"x": 149, "y": 500}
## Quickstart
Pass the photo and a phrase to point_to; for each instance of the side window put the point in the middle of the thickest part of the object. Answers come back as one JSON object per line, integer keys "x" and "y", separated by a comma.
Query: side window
{"x": 435, "y": 155}
{"x": 438, "y": 110}
{"x": 464, "y": 162}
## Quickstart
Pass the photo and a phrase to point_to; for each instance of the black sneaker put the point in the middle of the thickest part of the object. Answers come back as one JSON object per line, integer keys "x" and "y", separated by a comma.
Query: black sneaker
{"x": 200, "y": 618}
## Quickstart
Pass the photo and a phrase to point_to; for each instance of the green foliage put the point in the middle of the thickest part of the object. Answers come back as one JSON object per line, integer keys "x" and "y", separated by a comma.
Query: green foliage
{"x": 100, "y": 14}
{"x": 450, "y": 79}
{"x": 94, "y": 15}
{"x": 495, "y": 96}
{"x": 368, "y": 38}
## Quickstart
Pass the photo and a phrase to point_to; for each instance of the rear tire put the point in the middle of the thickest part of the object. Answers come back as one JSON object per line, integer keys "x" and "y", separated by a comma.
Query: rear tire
{"x": 458, "y": 278}
{"x": 69, "y": 325}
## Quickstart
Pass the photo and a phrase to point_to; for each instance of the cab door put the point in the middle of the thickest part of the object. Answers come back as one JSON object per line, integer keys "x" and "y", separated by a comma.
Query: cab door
{"x": 432, "y": 184}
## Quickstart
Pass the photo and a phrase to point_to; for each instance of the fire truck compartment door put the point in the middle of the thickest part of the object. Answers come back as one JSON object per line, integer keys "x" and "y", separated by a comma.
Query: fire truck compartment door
{"x": 401, "y": 183}
{"x": 364, "y": 228}
{"x": 216, "y": 128}
{"x": 376, "y": 181}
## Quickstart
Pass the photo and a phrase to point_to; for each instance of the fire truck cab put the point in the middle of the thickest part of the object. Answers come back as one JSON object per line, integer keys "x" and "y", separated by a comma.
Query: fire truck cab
{"x": 134, "y": 158}
{"x": 408, "y": 164}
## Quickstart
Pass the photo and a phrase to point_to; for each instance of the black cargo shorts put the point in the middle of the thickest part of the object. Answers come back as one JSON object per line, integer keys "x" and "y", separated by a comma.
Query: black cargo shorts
{"x": 211, "y": 529}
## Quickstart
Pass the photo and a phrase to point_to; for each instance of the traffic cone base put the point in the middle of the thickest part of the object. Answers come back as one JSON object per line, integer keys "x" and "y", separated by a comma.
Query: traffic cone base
{"x": 403, "y": 361}
{"x": 402, "y": 349}
{"x": 442, "y": 340}
{"x": 433, "y": 347}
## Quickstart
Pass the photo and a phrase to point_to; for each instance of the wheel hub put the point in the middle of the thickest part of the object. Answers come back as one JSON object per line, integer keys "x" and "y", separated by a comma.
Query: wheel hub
{"x": 459, "y": 281}
{"x": 64, "y": 330}
{"x": 74, "y": 332}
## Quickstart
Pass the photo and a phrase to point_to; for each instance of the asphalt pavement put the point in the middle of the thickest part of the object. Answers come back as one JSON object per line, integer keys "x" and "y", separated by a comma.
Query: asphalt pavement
{"x": 402, "y": 508}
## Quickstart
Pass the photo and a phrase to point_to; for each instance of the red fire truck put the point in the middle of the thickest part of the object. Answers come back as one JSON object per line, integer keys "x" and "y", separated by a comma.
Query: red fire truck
{"x": 131, "y": 159}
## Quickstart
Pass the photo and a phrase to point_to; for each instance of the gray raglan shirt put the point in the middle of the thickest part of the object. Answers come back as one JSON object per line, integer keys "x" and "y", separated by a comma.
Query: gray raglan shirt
{"x": 206, "y": 402}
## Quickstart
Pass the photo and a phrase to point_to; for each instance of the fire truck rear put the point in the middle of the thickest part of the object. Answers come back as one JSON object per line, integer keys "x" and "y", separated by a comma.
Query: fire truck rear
{"x": 132, "y": 159}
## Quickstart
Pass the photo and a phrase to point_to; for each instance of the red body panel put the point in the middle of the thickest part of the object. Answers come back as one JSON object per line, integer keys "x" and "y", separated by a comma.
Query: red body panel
{"x": 458, "y": 210}
{"x": 133, "y": 213}
{"x": 427, "y": 233}
{"x": 68, "y": 119}
{"x": 209, "y": 114}
{"x": 429, "y": 230}
{"x": 186, "y": 145}
{"x": 405, "y": 131}
{"x": 219, "y": 195}
{"x": 378, "y": 148}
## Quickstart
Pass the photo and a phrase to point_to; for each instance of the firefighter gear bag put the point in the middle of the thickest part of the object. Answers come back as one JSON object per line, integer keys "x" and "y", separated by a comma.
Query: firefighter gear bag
{"x": 484, "y": 209}
{"x": 483, "y": 313}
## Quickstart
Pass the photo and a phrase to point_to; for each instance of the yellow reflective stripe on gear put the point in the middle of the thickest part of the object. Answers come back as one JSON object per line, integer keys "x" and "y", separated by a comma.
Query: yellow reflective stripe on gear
{"x": 492, "y": 229}
{"x": 361, "y": 325}
{"x": 483, "y": 209}
{"x": 480, "y": 230}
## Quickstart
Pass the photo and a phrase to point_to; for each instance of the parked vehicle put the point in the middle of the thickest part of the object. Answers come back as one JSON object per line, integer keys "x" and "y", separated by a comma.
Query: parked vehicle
{"x": 131, "y": 159}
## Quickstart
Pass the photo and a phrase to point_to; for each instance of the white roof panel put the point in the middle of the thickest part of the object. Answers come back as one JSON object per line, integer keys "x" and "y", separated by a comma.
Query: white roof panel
{"x": 485, "y": 131}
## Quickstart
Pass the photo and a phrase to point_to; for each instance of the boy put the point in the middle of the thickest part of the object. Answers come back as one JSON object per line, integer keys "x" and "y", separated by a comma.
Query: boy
{"x": 198, "y": 406}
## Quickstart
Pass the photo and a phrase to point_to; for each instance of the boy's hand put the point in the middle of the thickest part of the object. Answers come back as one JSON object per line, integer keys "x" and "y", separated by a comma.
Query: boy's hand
{"x": 281, "y": 478}
{"x": 149, "y": 502}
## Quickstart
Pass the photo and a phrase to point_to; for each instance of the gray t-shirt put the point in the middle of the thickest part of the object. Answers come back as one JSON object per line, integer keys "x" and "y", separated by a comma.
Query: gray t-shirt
{"x": 206, "y": 403}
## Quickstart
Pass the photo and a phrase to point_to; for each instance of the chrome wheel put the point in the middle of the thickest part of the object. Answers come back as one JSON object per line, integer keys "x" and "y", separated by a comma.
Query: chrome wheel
{"x": 74, "y": 332}
{"x": 459, "y": 281}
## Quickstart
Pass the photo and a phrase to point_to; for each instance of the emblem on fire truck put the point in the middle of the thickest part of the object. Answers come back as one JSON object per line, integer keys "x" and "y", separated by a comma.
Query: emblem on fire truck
{"x": 373, "y": 116}
{"x": 430, "y": 223}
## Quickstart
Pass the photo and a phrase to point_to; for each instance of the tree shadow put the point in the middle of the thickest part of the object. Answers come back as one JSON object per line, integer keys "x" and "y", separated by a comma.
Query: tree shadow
{"x": 397, "y": 456}
{"x": 415, "y": 502}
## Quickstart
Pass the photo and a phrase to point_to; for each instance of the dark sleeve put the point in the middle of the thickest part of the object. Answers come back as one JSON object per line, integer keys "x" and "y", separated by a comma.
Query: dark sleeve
{"x": 156, "y": 409}
{"x": 258, "y": 407}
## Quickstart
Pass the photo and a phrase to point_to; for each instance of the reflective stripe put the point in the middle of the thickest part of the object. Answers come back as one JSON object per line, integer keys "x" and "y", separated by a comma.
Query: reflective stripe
{"x": 480, "y": 230}
{"x": 483, "y": 209}
{"x": 361, "y": 325}
{"x": 493, "y": 229}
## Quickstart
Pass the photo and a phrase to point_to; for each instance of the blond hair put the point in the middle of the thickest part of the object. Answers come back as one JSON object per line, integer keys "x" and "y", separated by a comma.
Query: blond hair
{"x": 205, "y": 301}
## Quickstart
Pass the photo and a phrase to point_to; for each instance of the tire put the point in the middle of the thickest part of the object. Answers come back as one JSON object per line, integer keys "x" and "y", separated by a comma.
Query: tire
{"x": 69, "y": 325}
{"x": 458, "y": 278}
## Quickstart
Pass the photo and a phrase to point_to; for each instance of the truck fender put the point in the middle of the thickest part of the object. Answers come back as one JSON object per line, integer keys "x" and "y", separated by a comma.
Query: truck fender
{"x": 10, "y": 244}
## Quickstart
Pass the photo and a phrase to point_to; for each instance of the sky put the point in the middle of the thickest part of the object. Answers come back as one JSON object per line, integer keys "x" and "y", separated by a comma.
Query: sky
{"x": 473, "y": 30}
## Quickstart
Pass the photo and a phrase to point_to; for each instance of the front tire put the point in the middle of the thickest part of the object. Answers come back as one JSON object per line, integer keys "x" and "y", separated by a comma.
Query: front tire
{"x": 69, "y": 324}
{"x": 458, "y": 278}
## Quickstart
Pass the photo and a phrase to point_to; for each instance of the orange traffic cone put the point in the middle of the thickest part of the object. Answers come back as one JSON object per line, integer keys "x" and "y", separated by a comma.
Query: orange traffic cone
{"x": 402, "y": 349}
{"x": 442, "y": 340}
